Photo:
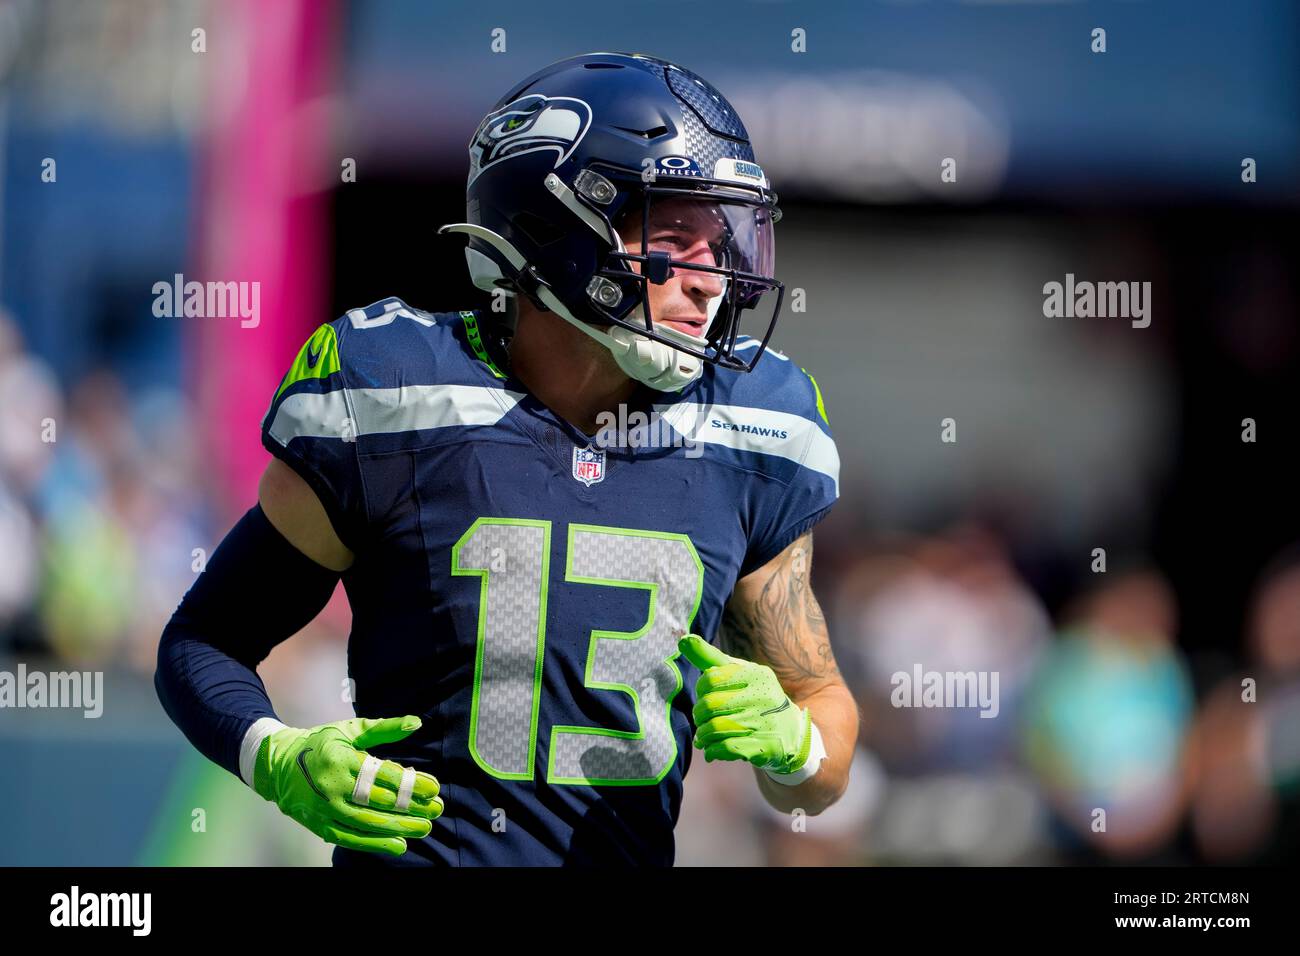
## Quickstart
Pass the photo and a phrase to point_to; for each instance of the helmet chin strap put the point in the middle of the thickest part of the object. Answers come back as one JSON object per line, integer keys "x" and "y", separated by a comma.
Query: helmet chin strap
{"x": 652, "y": 363}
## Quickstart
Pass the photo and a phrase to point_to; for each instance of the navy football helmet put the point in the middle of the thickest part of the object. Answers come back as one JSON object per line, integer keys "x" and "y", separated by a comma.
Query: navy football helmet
{"x": 602, "y": 142}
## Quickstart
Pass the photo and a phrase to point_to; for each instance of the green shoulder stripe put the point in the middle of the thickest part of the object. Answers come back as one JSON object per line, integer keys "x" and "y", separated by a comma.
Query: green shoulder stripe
{"x": 821, "y": 406}
{"x": 476, "y": 343}
{"x": 318, "y": 358}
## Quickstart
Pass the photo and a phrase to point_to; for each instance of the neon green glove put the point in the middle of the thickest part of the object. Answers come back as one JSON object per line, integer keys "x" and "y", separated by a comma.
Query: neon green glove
{"x": 323, "y": 778}
{"x": 743, "y": 713}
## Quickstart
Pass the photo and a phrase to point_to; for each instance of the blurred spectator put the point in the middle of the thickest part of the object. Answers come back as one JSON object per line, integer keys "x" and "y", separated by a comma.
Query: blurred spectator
{"x": 1108, "y": 718}
{"x": 1245, "y": 806}
{"x": 947, "y": 785}
{"x": 29, "y": 396}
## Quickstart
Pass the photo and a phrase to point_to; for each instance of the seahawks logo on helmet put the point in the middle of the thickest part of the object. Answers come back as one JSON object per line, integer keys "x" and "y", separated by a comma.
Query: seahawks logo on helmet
{"x": 528, "y": 124}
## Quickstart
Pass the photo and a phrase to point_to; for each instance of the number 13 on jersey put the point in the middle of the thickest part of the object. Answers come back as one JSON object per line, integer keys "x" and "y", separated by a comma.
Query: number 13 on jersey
{"x": 511, "y": 556}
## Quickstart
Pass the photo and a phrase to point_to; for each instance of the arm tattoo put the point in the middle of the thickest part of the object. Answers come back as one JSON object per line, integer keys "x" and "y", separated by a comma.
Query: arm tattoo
{"x": 783, "y": 627}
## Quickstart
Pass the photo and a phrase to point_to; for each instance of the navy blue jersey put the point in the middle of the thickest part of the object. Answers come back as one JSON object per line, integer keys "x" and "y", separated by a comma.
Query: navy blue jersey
{"x": 522, "y": 586}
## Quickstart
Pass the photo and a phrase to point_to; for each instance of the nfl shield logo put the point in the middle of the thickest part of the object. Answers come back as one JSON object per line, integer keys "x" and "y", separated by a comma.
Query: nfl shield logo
{"x": 588, "y": 465}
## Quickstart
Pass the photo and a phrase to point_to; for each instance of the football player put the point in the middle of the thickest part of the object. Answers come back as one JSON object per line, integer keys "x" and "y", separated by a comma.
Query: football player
{"x": 575, "y": 534}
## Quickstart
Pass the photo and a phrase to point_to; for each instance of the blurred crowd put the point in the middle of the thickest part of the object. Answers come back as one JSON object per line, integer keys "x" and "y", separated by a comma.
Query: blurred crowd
{"x": 102, "y": 501}
{"x": 1110, "y": 746}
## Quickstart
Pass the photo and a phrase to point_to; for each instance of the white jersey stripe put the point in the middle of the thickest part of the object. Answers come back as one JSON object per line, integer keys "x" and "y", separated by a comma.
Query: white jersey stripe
{"x": 352, "y": 412}
{"x": 757, "y": 430}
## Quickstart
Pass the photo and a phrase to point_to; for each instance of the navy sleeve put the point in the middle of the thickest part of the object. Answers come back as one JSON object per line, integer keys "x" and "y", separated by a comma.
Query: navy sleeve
{"x": 256, "y": 591}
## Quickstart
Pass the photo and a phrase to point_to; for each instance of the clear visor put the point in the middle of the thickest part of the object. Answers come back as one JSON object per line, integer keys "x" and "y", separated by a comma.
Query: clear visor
{"x": 708, "y": 242}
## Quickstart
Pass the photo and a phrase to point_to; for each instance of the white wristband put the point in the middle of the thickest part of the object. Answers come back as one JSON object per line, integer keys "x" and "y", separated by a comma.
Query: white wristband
{"x": 261, "y": 728}
{"x": 816, "y": 754}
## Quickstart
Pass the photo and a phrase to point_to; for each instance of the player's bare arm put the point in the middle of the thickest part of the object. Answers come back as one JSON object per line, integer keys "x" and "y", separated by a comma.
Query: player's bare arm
{"x": 297, "y": 513}
{"x": 773, "y": 618}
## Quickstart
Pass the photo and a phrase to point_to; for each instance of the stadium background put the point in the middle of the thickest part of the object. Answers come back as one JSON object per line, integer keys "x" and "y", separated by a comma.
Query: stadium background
{"x": 923, "y": 301}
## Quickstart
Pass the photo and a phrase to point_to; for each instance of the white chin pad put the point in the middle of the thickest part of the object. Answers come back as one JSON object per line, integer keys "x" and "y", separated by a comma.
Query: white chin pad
{"x": 658, "y": 365}
{"x": 653, "y": 363}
